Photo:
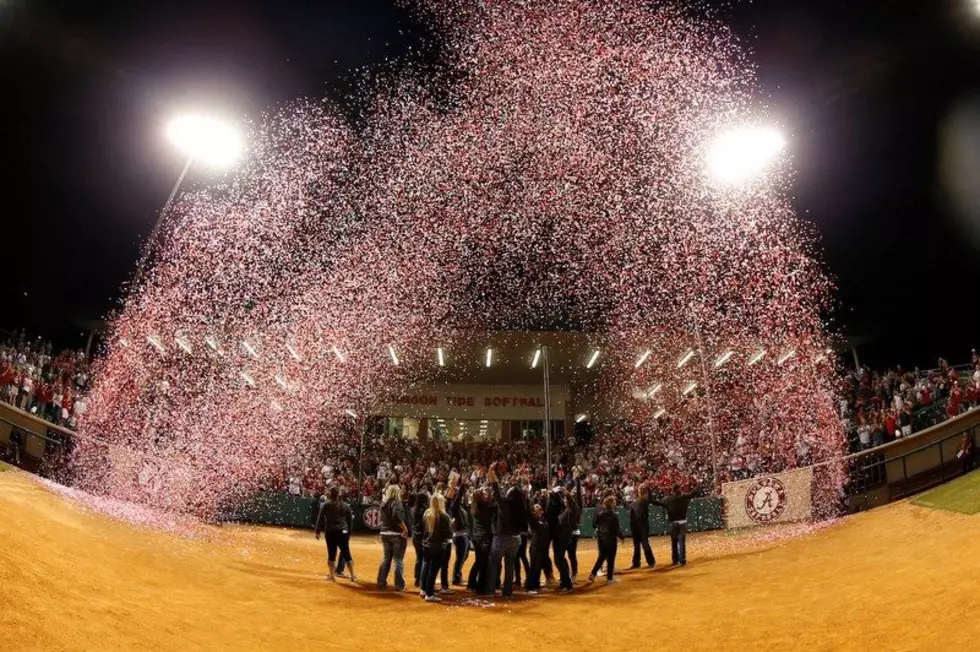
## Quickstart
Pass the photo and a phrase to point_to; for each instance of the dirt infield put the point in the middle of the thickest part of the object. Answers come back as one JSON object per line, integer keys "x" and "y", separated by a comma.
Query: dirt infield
{"x": 902, "y": 577}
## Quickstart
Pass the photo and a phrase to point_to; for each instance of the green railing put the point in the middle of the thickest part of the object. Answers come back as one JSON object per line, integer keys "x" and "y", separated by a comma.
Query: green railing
{"x": 285, "y": 510}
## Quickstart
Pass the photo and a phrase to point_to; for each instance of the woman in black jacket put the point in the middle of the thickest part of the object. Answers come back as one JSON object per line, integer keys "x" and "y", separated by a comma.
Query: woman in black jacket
{"x": 481, "y": 534}
{"x": 607, "y": 530}
{"x": 336, "y": 521}
{"x": 438, "y": 532}
{"x": 421, "y": 503}
{"x": 577, "y": 505}
{"x": 461, "y": 542}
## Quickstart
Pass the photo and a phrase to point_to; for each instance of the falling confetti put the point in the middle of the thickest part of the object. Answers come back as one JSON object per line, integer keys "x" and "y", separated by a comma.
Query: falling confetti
{"x": 552, "y": 173}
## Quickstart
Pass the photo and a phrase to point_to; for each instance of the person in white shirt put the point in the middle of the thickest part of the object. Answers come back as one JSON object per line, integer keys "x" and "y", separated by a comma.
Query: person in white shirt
{"x": 864, "y": 435}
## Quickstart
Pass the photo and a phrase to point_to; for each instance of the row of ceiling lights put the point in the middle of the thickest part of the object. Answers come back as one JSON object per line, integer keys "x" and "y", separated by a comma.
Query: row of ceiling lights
{"x": 720, "y": 361}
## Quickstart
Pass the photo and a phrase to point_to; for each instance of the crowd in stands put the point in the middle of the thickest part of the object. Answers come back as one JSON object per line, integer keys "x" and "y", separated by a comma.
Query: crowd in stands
{"x": 877, "y": 407}
{"x": 414, "y": 463}
{"x": 880, "y": 407}
{"x": 36, "y": 380}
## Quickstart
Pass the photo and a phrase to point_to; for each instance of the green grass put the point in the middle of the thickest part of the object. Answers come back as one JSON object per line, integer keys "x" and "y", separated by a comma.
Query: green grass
{"x": 961, "y": 495}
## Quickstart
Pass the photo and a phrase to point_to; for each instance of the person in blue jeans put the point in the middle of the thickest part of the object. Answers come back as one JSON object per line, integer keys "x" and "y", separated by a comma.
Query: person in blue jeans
{"x": 676, "y": 506}
{"x": 510, "y": 519}
{"x": 394, "y": 538}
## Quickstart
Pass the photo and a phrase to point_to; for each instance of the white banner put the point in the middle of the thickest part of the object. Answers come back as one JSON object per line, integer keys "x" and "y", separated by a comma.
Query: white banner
{"x": 476, "y": 402}
{"x": 776, "y": 498}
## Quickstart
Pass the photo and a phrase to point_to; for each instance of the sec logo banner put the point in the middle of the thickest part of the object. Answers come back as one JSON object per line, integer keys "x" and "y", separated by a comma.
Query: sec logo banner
{"x": 372, "y": 517}
{"x": 765, "y": 501}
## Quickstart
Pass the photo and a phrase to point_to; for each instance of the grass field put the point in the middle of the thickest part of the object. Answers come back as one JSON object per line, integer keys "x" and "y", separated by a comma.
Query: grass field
{"x": 895, "y": 578}
{"x": 961, "y": 495}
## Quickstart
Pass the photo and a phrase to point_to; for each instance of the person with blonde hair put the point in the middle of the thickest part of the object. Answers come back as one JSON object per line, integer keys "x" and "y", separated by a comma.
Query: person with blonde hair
{"x": 394, "y": 538}
{"x": 438, "y": 532}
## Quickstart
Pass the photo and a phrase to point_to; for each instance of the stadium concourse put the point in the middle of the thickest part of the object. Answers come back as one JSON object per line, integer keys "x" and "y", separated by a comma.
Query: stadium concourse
{"x": 898, "y": 577}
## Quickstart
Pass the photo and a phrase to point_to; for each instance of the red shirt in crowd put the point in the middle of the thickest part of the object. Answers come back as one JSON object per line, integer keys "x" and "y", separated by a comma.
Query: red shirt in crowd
{"x": 890, "y": 425}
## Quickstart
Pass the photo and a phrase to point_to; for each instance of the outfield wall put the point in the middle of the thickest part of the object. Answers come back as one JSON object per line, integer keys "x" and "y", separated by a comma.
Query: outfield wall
{"x": 274, "y": 508}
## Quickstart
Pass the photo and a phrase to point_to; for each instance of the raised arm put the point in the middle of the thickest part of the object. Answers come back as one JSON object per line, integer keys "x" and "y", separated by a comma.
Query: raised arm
{"x": 494, "y": 485}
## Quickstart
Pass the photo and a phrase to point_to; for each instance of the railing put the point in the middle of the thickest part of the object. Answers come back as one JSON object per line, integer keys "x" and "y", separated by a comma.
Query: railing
{"x": 907, "y": 466}
{"x": 35, "y": 437}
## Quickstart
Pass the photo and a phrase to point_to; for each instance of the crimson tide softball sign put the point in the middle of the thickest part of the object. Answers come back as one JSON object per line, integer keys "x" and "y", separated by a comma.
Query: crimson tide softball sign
{"x": 776, "y": 498}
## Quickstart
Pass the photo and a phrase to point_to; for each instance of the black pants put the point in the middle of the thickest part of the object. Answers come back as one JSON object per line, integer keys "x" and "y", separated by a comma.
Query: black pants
{"x": 419, "y": 555}
{"x": 462, "y": 545}
{"x": 444, "y": 569}
{"x": 573, "y": 554}
{"x": 521, "y": 560}
{"x": 607, "y": 554}
{"x": 477, "y": 578}
{"x": 560, "y": 547}
{"x": 338, "y": 541}
{"x": 641, "y": 540}
{"x": 432, "y": 562}
{"x": 539, "y": 555}
{"x": 678, "y": 543}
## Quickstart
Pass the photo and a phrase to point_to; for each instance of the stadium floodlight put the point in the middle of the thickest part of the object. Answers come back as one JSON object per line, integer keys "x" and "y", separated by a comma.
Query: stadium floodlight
{"x": 690, "y": 387}
{"x": 761, "y": 353}
{"x": 293, "y": 352}
{"x": 489, "y": 357}
{"x": 741, "y": 154}
{"x": 591, "y": 362}
{"x": 660, "y": 413}
{"x": 213, "y": 141}
{"x": 582, "y": 417}
{"x": 394, "y": 356}
{"x": 155, "y": 341}
{"x": 685, "y": 359}
{"x": 537, "y": 359}
{"x": 786, "y": 356}
{"x": 201, "y": 138}
{"x": 442, "y": 357}
{"x": 643, "y": 358}
{"x": 723, "y": 358}
{"x": 340, "y": 356}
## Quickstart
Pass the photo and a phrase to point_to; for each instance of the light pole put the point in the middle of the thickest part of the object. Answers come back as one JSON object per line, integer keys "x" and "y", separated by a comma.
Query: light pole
{"x": 202, "y": 139}
{"x": 735, "y": 157}
{"x": 707, "y": 396}
{"x": 546, "y": 377}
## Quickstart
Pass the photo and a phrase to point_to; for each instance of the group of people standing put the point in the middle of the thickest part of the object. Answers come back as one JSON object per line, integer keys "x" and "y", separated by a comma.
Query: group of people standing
{"x": 508, "y": 530}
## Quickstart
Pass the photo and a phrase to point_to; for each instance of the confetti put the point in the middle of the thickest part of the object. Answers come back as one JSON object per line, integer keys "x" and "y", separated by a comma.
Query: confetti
{"x": 549, "y": 172}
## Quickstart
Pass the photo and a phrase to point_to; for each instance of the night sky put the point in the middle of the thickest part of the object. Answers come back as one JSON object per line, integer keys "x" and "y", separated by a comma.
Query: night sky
{"x": 875, "y": 98}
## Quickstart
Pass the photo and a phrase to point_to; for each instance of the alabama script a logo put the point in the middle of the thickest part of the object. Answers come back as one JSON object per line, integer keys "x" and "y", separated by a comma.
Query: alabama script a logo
{"x": 765, "y": 501}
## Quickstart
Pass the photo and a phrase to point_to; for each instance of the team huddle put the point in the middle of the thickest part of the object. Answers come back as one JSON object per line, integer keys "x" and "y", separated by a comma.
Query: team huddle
{"x": 507, "y": 529}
